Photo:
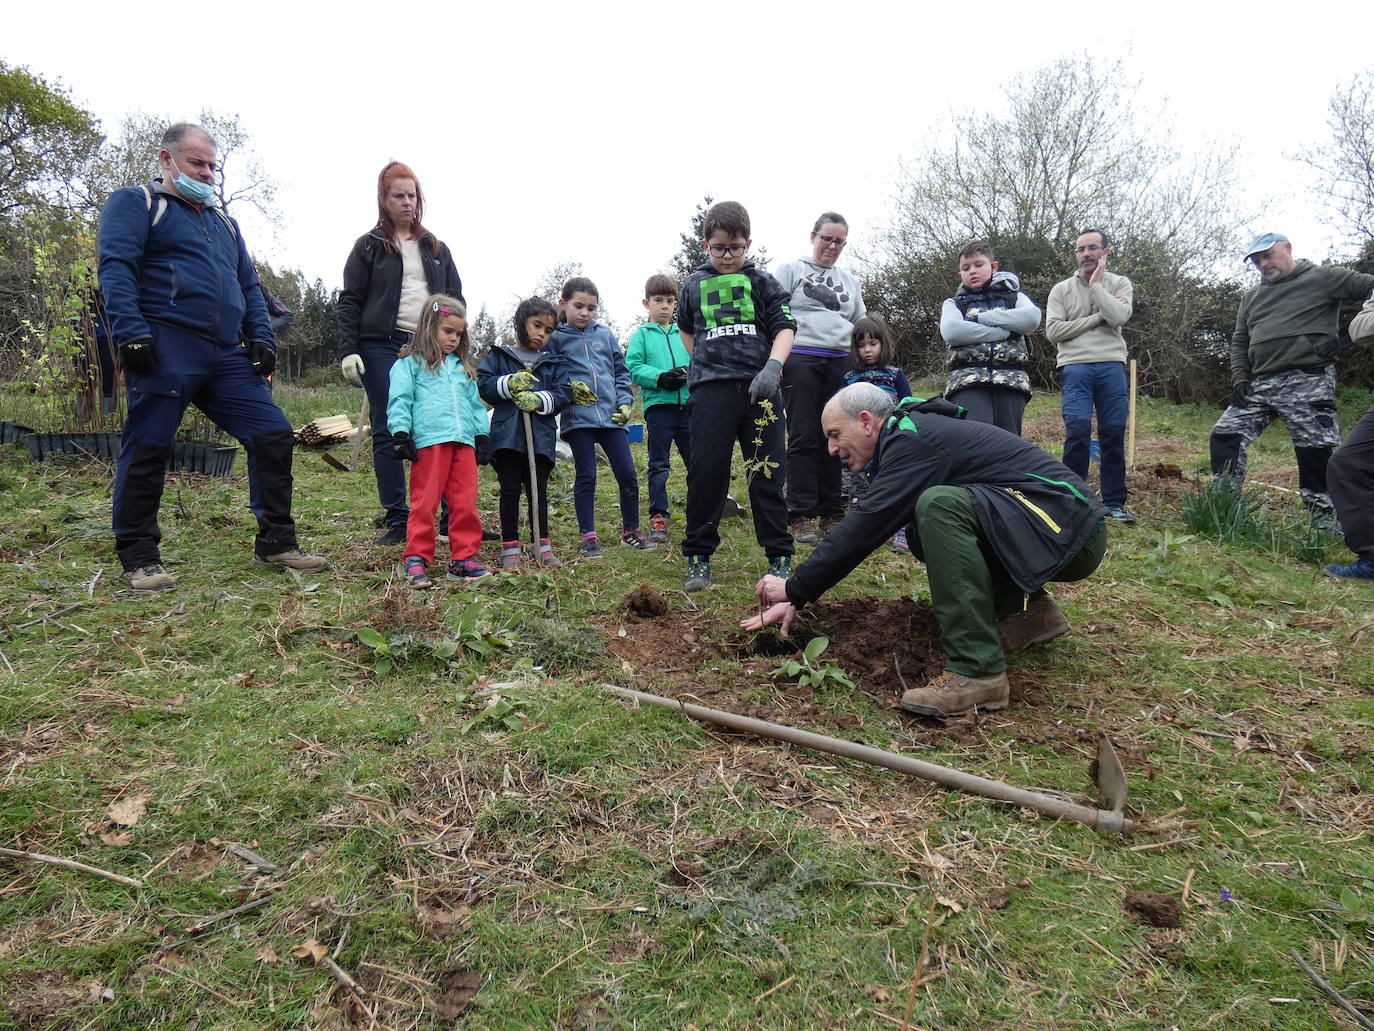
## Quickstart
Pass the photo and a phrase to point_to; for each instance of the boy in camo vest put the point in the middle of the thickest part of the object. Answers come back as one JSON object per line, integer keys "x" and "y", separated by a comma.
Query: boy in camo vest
{"x": 985, "y": 325}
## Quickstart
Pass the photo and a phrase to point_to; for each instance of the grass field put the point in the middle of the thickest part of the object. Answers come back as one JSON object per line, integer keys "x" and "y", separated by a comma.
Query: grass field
{"x": 458, "y": 821}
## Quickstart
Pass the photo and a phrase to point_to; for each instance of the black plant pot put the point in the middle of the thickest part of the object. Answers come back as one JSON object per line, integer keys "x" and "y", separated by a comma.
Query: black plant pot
{"x": 212, "y": 459}
{"x": 13, "y": 433}
{"x": 42, "y": 446}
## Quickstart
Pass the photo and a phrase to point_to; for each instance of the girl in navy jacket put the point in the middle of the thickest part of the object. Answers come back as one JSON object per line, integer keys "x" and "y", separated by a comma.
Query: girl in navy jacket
{"x": 524, "y": 378}
{"x": 601, "y": 394}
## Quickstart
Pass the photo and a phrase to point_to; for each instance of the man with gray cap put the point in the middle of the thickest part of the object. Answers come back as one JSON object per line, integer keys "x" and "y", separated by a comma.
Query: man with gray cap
{"x": 1281, "y": 364}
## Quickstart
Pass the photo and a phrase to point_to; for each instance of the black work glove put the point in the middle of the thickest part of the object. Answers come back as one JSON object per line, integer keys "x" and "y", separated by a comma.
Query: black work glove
{"x": 1334, "y": 347}
{"x": 482, "y": 446}
{"x": 138, "y": 357}
{"x": 1239, "y": 394}
{"x": 403, "y": 447}
{"x": 673, "y": 379}
{"x": 263, "y": 356}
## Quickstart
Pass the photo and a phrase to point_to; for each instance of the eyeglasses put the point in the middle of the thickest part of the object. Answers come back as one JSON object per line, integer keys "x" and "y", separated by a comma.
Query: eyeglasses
{"x": 720, "y": 250}
{"x": 1088, "y": 249}
{"x": 832, "y": 241}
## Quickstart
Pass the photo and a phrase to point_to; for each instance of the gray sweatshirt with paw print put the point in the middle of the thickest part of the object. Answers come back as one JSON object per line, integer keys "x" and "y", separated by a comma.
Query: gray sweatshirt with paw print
{"x": 826, "y": 302}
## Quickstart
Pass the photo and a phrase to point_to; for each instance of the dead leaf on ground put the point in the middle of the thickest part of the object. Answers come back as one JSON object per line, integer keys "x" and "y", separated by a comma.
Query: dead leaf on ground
{"x": 312, "y": 950}
{"x": 128, "y": 810}
{"x": 116, "y": 837}
{"x": 267, "y": 954}
{"x": 440, "y": 921}
{"x": 457, "y": 987}
{"x": 949, "y": 903}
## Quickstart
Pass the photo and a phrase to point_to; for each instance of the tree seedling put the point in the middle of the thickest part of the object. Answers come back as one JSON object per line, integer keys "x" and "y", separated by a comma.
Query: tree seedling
{"x": 810, "y": 671}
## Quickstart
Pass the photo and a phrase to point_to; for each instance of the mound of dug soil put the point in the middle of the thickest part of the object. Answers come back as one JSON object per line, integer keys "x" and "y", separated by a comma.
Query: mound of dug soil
{"x": 872, "y": 638}
{"x": 1152, "y": 908}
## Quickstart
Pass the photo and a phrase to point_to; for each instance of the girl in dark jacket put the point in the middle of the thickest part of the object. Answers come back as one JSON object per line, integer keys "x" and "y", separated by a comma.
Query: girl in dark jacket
{"x": 524, "y": 378}
{"x": 392, "y": 269}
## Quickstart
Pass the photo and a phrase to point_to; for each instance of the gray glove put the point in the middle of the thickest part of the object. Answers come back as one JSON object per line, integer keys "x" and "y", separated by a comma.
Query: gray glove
{"x": 765, "y": 384}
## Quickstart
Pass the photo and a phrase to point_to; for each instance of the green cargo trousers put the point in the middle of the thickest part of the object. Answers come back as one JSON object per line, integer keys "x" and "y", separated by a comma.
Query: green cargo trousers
{"x": 970, "y": 589}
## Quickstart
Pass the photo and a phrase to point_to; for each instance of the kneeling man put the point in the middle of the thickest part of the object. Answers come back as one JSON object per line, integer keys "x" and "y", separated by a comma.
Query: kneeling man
{"x": 993, "y": 517}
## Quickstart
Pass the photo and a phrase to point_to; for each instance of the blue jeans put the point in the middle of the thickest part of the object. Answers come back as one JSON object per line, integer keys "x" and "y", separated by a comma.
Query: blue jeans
{"x": 667, "y": 425}
{"x": 378, "y": 356}
{"x": 1100, "y": 385}
{"x": 615, "y": 443}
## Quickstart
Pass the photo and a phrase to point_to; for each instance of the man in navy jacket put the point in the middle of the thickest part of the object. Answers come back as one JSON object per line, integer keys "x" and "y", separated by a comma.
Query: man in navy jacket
{"x": 186, "y": 312}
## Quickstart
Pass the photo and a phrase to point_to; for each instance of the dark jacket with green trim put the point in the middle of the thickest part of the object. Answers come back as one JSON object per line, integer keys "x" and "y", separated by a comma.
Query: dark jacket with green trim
{"x": 1035, "y": 513}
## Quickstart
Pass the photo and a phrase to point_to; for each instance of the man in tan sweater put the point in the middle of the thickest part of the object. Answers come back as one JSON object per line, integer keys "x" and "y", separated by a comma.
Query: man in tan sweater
{"x": 1083, "y": 319}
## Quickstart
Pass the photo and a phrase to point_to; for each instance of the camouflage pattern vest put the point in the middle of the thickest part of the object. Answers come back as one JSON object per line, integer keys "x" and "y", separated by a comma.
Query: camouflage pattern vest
{"x": 1000, "y": 363}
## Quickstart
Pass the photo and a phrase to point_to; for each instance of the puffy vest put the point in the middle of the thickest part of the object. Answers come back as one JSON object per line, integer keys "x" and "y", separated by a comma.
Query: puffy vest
{"x": 1000, "y": 363}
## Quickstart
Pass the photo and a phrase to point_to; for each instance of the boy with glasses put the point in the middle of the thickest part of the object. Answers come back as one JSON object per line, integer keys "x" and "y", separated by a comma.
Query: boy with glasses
{"x": 735, "y": 322}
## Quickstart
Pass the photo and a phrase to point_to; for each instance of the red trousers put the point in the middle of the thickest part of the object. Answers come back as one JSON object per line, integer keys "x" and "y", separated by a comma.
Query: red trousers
{"x": 447, "y": 471}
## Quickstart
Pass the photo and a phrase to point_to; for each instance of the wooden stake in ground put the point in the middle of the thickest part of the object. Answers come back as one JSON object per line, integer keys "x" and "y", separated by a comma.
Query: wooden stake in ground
{"x": 1130, "y": 421}
{"x": 363, "y": 430}
{"x": 534, "y": 485}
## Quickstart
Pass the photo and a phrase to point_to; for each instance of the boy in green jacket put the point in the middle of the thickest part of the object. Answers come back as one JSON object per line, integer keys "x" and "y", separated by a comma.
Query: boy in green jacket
{"x": 658, "y": 363}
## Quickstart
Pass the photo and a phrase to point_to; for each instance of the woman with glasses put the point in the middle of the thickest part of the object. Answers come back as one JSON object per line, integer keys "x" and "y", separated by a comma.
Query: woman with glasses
{"x": 393, "y": 268}
{"x": 826, "y": 302}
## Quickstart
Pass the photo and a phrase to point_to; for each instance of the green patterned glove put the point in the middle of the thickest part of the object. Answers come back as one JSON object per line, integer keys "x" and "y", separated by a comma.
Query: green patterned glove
{"x": 621, "y": 416}
{"x": 526, "y": 401}
{"x": 582, "y": 394}
{"x": 522, "y": 382}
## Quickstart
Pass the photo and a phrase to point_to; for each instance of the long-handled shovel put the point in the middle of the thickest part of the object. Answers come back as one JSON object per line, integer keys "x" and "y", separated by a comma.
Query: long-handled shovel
{"x": 534, "y": 485}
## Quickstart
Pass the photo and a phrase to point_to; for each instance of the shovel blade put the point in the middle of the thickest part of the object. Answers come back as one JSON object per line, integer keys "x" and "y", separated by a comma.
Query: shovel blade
{"x": 1111, "y": 779}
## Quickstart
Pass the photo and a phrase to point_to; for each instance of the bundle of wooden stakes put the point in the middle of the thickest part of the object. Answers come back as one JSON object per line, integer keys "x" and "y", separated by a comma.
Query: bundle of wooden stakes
{"x": 333, "y": 429}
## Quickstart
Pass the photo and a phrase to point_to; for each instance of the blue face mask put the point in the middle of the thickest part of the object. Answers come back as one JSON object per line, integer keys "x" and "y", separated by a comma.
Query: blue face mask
{"x": 193, "y": 190}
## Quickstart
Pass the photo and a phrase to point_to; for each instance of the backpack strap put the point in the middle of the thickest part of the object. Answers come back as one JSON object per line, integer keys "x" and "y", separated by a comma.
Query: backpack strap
{"x": 154, "y": 217}
{"x": 157, "y": 207}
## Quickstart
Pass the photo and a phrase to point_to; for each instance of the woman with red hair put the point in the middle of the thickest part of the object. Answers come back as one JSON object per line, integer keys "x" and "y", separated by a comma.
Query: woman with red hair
{"x": 392, "y": 269}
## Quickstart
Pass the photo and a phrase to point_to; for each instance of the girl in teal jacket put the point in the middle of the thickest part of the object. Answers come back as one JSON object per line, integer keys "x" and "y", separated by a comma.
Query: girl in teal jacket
{"x": 438, "y": 423}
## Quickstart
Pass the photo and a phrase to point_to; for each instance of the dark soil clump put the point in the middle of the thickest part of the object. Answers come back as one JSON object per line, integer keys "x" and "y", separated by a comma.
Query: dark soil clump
{"x": 870, "y": 638}
{"x": 1152, "y": 908}
{"x": 646, "y": 603}
{"x": 1167, "y": 471}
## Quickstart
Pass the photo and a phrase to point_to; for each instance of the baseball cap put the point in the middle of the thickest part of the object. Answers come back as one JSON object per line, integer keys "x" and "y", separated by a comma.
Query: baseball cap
{"x": 1263, "y": 242}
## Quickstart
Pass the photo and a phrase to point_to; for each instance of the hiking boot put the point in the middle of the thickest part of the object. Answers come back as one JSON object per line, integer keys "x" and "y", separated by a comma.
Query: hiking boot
{"x": 698, "y": 573}
{"x": 780, "y": 566}
{"x": 658, "y": 528}
{"x": 417, "y": 573}
{"x": 635, "y": 540}
{"x": 803, "y": 530}
{"x": 394, "y": 535}
{"x": 511, "y": 557}
{"x": 590, "y": 546}
{"x": 899, "y": 543}
{"x": 150, "y": 578}
{"x": 293, "y": 558}
{"x": 548, "y": 559}
{"x": 953, "y": 694}
{"x": 1362, "y": 569}
{"x": 467, "y": 569}
{"x": 1041, "y": 621}
{"x": 828, "y": 523}
{"x": 1119, "y": 513}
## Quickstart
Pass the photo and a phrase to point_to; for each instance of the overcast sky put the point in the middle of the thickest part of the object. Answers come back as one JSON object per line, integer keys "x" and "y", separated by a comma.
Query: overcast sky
{"x": 542, "y": 136}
